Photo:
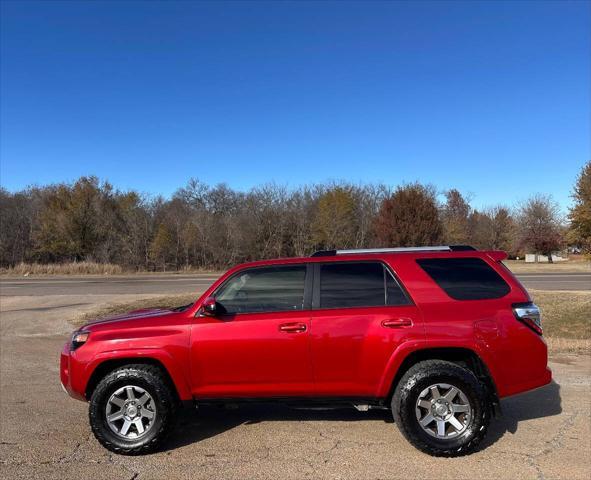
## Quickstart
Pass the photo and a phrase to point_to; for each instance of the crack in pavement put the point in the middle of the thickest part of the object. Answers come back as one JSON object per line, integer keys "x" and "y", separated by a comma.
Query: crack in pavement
{"x": 556, "y": 441}
{"x": 553, "y": 444}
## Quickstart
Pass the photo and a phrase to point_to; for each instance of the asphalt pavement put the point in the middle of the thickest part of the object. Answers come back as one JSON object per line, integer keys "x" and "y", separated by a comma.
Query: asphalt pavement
{"x": 181, "y": 283}
{"x": 556, "y": 281}
{"x": 543, "y": 434}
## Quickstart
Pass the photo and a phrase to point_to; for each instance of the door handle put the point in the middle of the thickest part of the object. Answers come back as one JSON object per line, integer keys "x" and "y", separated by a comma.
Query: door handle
{"x": 292, "y": 327}
{"x": 397, "y": 322}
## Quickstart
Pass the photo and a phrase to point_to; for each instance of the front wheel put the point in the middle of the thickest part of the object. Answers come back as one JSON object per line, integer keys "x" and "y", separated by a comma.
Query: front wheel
{"x": 132, "y": 409}
{"x": 441, "y": 408}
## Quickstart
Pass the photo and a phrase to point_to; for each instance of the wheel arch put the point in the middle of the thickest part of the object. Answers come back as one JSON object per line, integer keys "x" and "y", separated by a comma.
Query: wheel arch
{"x": 105, "y": 366}
{"x": 463, "y": 356}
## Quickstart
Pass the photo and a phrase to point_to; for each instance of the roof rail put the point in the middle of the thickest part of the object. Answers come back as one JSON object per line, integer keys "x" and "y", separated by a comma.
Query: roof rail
{"x": 436, "y": 248}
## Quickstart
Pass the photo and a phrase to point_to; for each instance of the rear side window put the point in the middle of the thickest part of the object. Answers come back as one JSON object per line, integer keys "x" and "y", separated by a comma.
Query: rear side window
{"x": 363, "y": 284}
{"x": 263, "y": 289}
{"x": 465, "y": 278}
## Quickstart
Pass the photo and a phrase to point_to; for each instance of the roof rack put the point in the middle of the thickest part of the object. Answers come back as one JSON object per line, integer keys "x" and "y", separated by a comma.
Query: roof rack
{"x": 436, "y": 248}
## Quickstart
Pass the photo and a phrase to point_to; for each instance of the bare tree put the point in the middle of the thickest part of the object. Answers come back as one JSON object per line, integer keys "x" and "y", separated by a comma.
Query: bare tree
{"x": 492, "y": 229}
{"x": 502, "y": 229}
{"x": 18, "y": 215}
{"x": 540, "y": 227}
{"x": 300, "y": 208}
{"x": 215, "y": 226}
{"x": 369, "y": 200}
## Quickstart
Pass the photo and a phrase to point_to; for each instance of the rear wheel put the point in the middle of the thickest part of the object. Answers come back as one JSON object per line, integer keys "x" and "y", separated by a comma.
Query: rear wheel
{"x": 442, "y": 408}
{"x": 132, "y": 409}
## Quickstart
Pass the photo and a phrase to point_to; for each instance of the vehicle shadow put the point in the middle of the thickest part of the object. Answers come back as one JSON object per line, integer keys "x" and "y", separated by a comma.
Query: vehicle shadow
{"x": 209, "y": 421}
{"x": 539, "y": 403}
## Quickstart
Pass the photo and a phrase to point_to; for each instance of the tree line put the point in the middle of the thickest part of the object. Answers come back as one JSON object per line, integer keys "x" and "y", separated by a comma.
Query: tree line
{"x": 204, "y": 226}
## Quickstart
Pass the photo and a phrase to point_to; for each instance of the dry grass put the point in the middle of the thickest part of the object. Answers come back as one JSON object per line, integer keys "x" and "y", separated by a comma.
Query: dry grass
{"x": 89, "y": 268}
{"x": 72, "y": 268}
{"x": 575, "y": 264}
{"x": 168, "y": 301}
{"x": 519, "y": 266}
{"x": 568, "y": 345}
{"x": 566, "y": 316}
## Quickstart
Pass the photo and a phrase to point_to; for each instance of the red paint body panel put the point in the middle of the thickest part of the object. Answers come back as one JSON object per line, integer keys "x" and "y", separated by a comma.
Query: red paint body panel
{"x": 347, "y": 352}
{"x": 248, "y": 356}
{"x": 351, "y": 347}
{"x": 160, "y": 335}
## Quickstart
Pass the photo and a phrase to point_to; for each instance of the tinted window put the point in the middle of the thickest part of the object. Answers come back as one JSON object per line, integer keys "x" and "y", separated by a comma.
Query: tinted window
{"x": 394, "y": 294}
{"x": 366, "y": 284}
{"x": 465, "y": 278}
{"x": 266, "y": 289}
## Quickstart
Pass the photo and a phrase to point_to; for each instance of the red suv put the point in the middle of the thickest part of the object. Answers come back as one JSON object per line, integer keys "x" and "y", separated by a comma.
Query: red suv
{"x": 437, "y": 334}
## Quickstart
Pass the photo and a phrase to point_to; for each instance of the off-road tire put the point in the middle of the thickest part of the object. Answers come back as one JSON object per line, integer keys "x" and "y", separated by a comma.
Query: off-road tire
{"x": 421, "y": 376}
{"x": 152, "y": 379}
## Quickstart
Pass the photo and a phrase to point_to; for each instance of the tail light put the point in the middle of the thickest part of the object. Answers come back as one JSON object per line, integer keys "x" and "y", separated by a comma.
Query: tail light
{"x": 529, "y": 314}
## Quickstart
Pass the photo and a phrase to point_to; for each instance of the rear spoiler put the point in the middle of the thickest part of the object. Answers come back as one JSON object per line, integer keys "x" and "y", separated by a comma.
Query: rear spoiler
{"x": 497, "y": 255}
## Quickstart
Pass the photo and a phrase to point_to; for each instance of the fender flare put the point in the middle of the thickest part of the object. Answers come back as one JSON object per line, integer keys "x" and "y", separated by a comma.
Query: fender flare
{"x": 404, "y": 350}
{"x": 169, "y": 363}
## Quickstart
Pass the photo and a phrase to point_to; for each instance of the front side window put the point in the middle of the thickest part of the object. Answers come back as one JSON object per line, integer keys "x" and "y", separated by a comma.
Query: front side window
{"x": 263, "y": 289}
{"x": 363, "y": 284}
{"x": 465, "y": 278}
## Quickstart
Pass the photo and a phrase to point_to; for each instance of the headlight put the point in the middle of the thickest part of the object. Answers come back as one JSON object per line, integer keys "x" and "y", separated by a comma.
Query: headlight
{"x": 79, "y": 339}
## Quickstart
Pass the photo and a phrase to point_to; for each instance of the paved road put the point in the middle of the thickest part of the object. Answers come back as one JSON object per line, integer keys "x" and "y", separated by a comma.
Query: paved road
{"x": 45, "y": 434}
{"x": 171, "y": 283}
{"x": 556, "y": 281}
{"x": 98, "y": 285}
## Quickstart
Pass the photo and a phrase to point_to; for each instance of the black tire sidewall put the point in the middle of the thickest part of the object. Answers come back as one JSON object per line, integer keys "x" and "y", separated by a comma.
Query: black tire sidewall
{"x": 466, "y": 435}
{"x": 405, "y": 405}
{"x": 97, "y": 411}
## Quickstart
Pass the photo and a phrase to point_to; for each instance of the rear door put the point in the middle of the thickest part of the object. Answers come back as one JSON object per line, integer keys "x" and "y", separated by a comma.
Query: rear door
{"x": 259, "y": 344}
{"x": 361, "y": 314}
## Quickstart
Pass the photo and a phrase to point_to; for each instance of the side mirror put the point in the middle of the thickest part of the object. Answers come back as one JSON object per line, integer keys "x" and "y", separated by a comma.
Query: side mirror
{"x": 209, "y": 307}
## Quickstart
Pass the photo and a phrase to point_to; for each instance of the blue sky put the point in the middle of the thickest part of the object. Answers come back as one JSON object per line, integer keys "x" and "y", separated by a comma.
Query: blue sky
{"x": 492, "y": 98}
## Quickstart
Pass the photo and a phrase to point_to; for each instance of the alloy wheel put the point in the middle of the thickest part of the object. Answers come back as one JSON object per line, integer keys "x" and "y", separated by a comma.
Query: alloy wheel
{"x": 443, "y": 411}
{"x": 130, "y": 412}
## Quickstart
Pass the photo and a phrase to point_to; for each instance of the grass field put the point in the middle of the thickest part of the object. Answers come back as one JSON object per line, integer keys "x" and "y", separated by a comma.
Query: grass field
{"x": 85, "y": 268}
{"x": 576, "y": 264}
{"x": 566, "y": 316}
{"x": 72, "y": 268}
{"x": 168, "y": 301}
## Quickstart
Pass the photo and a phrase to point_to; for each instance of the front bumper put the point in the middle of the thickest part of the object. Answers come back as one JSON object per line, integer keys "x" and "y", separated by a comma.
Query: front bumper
{"x": 67, "y": 364}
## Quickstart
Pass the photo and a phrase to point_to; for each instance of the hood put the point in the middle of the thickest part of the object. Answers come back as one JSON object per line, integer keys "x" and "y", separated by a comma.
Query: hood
{"x": 133, "y": 315}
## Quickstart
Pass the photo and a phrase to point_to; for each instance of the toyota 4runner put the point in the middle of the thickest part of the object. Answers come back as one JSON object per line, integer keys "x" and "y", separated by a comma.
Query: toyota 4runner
{"x": 436, "y": 334}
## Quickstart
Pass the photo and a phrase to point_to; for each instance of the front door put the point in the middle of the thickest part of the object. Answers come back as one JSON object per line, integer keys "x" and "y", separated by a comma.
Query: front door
{"x": 258, "y": 345}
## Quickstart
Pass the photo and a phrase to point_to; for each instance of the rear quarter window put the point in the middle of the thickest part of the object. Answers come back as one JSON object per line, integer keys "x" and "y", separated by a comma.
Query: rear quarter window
{"x": 465, "y": 278}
